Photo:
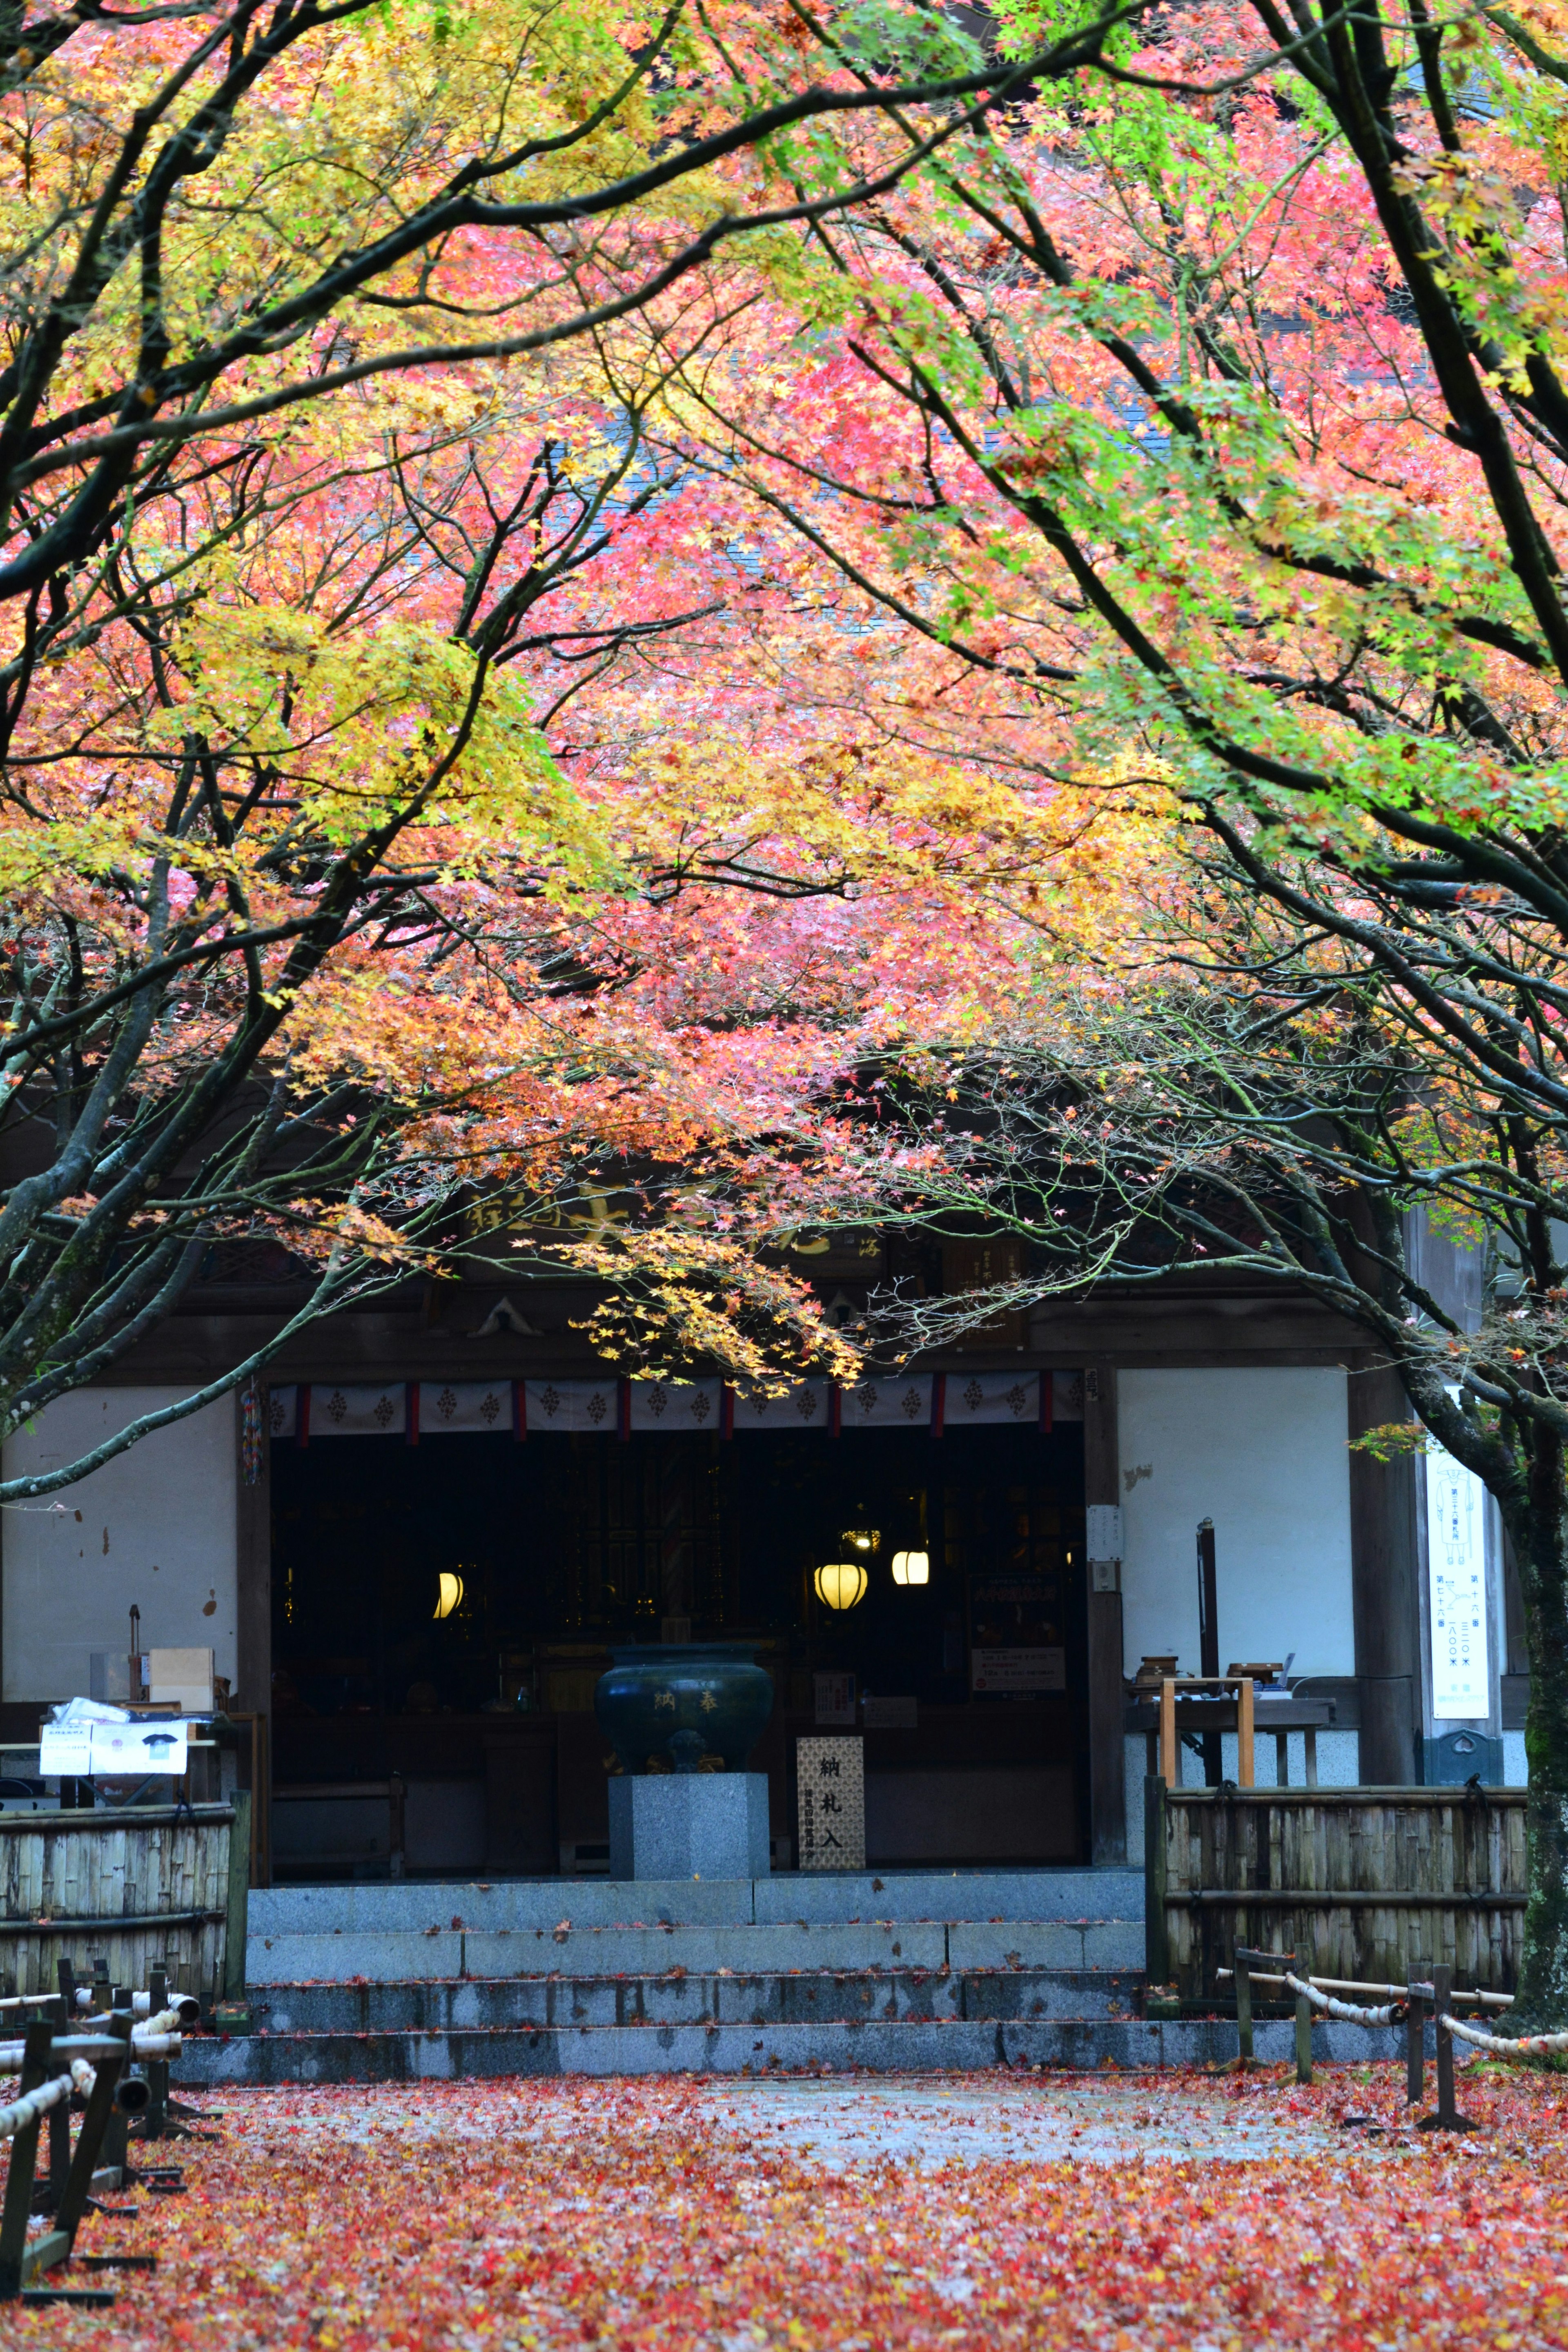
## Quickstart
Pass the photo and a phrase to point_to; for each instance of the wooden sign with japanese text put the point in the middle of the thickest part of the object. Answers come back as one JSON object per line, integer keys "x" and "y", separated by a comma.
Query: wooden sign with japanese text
{"x": 830, "y": 1806}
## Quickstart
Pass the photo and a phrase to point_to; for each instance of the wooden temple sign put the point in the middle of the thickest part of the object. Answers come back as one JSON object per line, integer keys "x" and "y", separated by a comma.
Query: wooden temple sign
{"x": 592, "y": 1212}
{"x": 1206, "y": 1686}
{"x": 830, "y": 1804}
{"x": 848, "y": 1256}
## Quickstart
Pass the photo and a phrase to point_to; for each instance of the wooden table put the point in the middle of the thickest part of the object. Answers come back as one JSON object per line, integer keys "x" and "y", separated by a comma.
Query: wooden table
{"x": 1201, "y": 1713}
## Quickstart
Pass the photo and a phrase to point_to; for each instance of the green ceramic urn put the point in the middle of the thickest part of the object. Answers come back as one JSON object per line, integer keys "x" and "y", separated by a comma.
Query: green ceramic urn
{"x": 688, "y": 1706}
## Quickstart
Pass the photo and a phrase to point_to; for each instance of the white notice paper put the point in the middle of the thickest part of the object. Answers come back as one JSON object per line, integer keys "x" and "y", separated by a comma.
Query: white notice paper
{"x": 1019, "y": 1670}
{"x": 65, "y": 1748}
{"x": 114, "y": 1748}
{"x": 1456, "y": 1570}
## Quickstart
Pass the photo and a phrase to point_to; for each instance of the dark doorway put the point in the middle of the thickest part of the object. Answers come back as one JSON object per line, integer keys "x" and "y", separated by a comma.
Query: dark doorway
{"x": 565, "y": 1543}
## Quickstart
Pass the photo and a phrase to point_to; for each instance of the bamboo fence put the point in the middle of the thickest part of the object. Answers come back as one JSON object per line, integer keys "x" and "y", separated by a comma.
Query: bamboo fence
{"x": 140, "y": 1889}
{"x": 1357, "y": 1883}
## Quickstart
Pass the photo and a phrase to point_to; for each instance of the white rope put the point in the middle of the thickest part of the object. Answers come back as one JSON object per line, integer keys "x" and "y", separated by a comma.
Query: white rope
{"x": 38, "y": 2103}
{"x": 1343, "y": 2009}
{"x": 154, "y": 2040}
{"x": 1528, "y": 2044}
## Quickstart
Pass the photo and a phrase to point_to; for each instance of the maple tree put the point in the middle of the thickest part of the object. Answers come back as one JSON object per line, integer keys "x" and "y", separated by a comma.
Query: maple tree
{"x": 1206, "y": 426}
{"x": 327, "y": 909}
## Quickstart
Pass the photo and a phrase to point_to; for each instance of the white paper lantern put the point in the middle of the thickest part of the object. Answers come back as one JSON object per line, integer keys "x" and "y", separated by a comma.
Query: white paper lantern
{"x": 840, "y": 1583}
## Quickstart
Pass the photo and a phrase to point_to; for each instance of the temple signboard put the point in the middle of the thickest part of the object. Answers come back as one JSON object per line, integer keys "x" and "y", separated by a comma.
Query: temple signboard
{"x": 830, "y": 1804}
{"x": 1457, "y": 1573}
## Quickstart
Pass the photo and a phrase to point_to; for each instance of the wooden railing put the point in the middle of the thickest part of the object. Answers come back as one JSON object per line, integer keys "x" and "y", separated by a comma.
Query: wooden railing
{"x": 1369, "y": 1883}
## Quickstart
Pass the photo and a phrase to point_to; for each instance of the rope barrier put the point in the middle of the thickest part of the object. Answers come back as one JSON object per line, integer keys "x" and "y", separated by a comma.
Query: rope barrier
{"x": 1393, "y": 2013}
{"x": 1532, "y": 2045}
{"x": 144, "y": 2045}
{"x": 33, "y": 2104}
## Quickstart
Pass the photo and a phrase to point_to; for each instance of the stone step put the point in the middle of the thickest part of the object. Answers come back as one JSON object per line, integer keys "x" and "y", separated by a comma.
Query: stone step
{"x": 677, "y": 1998}
{"x": 540, "y": 1905}
{"x": 351, "y": 1951}
{"x": 880, "y": 2045}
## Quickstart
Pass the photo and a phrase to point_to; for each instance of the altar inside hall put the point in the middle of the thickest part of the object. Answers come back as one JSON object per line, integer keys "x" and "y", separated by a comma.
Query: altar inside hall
{"x": 454, "y": 1561}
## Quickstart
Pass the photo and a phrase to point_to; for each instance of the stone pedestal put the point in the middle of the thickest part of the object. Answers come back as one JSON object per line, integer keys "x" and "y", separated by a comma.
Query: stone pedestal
{"x": 689, "y": 1825}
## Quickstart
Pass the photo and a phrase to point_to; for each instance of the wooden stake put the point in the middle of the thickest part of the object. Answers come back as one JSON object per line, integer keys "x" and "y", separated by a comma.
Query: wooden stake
{"x": 1447, "y": 2118}
{"x": 1244, "y": 2004}
{"x": 1156, "y": 1926}
{"x": 157, "y": 2117}
{"x": 236, "y": 1928}
{"x": 1416, "y": 2041}
{"x": 60, "y": 2126}
{"x": 1304, "y": 2033}
{"x": 89, "y": 2139}
{"x": 18, "y": 2202}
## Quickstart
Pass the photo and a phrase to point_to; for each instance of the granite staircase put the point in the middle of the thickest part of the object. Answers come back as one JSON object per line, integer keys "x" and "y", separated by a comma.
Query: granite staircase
{"x": 893, "y": 1972}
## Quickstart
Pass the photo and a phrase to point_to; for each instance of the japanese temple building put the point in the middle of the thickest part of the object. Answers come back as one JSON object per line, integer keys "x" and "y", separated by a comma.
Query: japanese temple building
{"x": 416, "y": 1569}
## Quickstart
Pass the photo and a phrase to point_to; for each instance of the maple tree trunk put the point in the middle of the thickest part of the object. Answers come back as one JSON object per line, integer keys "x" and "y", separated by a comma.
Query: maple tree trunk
{"x": 1541, "y": 1541}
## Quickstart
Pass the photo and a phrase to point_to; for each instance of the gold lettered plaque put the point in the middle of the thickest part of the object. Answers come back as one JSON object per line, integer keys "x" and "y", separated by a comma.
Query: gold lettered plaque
{"x": 830, "y": 1804}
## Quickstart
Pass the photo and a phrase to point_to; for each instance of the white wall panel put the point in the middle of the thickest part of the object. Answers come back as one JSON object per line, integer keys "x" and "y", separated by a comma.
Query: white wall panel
{"x": 156, "y": 1526}
{"x": 1264, "y": 1454}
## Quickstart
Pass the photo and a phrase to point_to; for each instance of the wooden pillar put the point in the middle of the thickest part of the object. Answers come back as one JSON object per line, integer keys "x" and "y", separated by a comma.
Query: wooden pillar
{"x": 253, "y": 1578}
{"x": 1107, "y": 1766}
{"x": 1385, "y": 1566}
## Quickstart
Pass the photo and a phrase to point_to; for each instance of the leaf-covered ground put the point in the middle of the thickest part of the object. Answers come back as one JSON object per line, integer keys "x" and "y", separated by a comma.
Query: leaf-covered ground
{"x": 673, "y": 2214}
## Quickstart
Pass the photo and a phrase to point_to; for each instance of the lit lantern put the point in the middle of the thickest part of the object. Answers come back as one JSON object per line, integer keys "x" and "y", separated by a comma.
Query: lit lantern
{"x": 911, "y": 1568}
{"x": 450, "y": 1594}
{"x": 861, "y": 1539}
{"x": 840, "y": 1583}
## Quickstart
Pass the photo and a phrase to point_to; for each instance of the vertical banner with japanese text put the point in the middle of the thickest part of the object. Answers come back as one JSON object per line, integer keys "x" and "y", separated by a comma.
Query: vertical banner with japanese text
{"x": 1457, "y": 1575}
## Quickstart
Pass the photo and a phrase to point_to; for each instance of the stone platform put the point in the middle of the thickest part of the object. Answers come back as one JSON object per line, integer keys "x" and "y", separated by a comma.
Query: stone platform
{"x": 893, "y": 1972}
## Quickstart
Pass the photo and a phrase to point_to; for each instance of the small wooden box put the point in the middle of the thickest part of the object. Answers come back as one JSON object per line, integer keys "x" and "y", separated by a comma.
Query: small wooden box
{"x": 180, "y": 1677}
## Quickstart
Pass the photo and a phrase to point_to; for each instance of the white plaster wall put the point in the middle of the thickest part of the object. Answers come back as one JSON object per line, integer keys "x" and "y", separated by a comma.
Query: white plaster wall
{"x": 1264, "y": 1454}
{"x": 1339, "y": 1767}
{"x": 155, "y": 1526}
